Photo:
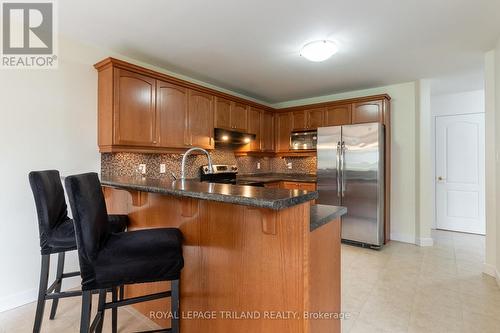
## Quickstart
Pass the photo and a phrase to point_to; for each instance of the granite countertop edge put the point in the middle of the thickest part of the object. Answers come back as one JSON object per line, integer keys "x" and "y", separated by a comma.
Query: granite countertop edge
{"x": 323, "y": 214}
{"x": 275, "y": 204}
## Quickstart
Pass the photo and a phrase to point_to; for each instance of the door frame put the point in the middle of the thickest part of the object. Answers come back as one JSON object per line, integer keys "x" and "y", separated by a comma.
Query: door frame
{"x": 434, "y": 161}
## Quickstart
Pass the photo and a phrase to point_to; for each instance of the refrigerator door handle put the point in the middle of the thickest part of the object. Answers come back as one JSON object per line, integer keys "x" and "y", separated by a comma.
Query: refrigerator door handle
{"x": 342, "y": 167}
{"x": 338, "y": 169}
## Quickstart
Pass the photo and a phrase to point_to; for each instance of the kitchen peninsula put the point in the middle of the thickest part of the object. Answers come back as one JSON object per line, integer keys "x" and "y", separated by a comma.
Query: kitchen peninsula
{"x": 256, "y": 259}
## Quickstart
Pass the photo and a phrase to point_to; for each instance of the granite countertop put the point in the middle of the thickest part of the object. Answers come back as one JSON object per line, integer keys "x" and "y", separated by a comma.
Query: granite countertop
{"x": 277, "y": 177}
{"x": 323, "y": 214}
{"x": 236, "y": 194}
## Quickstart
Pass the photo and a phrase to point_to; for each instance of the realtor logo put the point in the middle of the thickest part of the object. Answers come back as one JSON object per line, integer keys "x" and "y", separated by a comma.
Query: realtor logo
{"x": 28, "y": 35}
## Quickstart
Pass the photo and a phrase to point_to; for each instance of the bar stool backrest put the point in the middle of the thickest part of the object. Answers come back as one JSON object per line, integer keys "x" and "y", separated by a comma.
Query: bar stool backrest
{"x": 90, "y": 217}
{"x": 50, "y": 204}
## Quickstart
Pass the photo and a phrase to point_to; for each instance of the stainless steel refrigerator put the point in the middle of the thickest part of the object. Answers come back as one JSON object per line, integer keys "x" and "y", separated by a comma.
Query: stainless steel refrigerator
{"x": 351, "y": 174}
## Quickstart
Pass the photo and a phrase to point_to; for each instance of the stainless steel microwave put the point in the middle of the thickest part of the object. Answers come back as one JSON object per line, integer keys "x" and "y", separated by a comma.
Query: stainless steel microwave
{"x": 303, "y": 140}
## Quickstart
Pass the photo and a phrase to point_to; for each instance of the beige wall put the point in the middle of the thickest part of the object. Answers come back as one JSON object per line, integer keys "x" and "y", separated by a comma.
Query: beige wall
{"x": 490, "y": 165}
{"x": 404, "y": 154}
{"x": 497, "y": 147}
{"x": 492, "y": 103}
{"x": 425, "y": 165}
{"x": 496, "y": 91}
{"x": 48, "y": 122}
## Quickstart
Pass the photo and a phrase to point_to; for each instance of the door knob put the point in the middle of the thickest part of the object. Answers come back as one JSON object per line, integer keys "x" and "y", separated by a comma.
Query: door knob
{"x": 440, "y": 178}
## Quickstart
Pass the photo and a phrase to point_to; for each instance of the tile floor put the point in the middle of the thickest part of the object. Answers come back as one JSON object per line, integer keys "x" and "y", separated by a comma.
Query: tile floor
{"x": 67, "y": 319}
{"x": 402, "y": 288}
{"x": 405, "y": 288}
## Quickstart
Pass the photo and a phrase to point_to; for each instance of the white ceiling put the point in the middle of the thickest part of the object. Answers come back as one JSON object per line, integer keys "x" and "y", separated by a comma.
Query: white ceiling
{"x": 252, "y": 47}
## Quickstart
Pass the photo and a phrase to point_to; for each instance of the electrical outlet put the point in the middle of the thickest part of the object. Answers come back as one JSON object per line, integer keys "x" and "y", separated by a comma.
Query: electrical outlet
{"x": 163, "y": 168}
{"x": 142, "y": 168}
{"x": 289, "y": 165}
{"x": 258, "y": 165}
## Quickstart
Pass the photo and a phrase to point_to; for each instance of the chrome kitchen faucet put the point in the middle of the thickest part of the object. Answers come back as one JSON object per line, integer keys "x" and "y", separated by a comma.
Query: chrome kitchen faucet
{"x": 187, "y": 153}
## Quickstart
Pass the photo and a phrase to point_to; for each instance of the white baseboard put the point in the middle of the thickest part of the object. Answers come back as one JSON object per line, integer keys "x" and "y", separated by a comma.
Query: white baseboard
{"x": 28, "y": 296}
{"x": 490, "y": 270}
{"x": 410, "y": 239}
{"x": 18, "y": 299}
{"x": 403, "y": 238}
{"x": 426, "y": 241}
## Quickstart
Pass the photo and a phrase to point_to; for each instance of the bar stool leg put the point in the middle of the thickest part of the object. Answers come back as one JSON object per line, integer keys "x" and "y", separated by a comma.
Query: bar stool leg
{"x": 59, "y": 273}
{"x": 114, "y": 311}
{"x": 86, "y": 307}
{"x": 42, "y": 291}
{"x": 175, "y": 304}
{"x": 100, "y": 309}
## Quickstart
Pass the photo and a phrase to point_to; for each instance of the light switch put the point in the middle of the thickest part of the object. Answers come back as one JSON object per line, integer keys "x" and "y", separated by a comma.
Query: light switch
{"x": 163, "y": 168}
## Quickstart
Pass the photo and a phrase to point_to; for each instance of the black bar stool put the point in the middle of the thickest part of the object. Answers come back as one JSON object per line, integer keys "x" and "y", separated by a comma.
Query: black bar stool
{"x": 57, "y": 235}
{"x": 109, "y": 260}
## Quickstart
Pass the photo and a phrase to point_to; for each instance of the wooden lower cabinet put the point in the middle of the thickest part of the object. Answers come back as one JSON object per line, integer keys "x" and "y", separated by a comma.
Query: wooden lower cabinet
{"x": 305, "y": 186}
{"x": 241, "y": 259}
{"x": 273, "y": 185}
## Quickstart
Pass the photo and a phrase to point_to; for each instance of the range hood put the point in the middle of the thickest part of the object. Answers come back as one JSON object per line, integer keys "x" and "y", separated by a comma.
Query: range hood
{"x": 231, "y": 138}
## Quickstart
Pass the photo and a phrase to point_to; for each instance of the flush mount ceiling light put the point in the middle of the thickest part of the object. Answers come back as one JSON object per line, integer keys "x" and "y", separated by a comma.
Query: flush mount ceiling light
{"x": 319, "y": 50}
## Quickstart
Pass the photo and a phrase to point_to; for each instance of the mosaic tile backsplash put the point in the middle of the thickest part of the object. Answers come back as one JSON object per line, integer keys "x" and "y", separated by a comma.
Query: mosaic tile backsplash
{"x": 127, "y": 164}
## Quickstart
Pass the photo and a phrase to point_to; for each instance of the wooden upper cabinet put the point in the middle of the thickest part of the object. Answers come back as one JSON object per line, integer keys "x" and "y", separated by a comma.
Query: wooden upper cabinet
{"x": 254, "y": 121}
{"x": 299, "y": 120}
{"x": 134, "y": 109}
{"x": 230, "y": 115}
{"x": 171, "y": 114}
{"x": 307, "y": 119}
{"x": 367, "y": 112}
{"x": 239, "y": 117}
{"x": 200, "y": 119}
{"x": 267, "y": 131}
{"x": 283, "y": 130}
{"x": 338, "y": 115}
{"x": 223, "y": 113}
{"x": 315, "y": 118}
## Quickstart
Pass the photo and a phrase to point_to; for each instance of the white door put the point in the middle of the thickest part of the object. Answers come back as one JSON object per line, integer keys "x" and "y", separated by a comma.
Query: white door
{"x": 460, "y": 202}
